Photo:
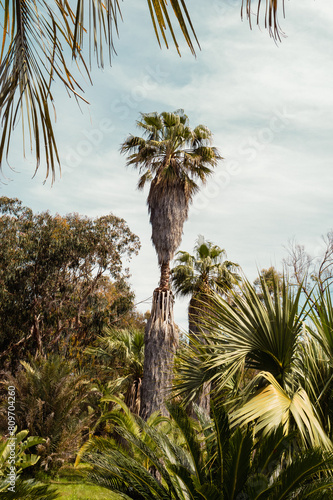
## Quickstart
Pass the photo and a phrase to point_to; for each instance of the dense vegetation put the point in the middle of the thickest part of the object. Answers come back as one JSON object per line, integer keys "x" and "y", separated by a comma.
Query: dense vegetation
{"x": 251, "y": 409}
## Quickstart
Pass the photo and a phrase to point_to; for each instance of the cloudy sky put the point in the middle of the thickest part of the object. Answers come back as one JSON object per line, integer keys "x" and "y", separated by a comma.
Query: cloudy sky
{"x": 268, "y": 105}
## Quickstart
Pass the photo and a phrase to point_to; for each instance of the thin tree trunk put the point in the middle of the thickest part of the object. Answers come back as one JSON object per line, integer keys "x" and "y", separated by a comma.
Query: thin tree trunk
{"x": 165, "y": 276}
{"x": 161, "y": 341}
{"x": 196, "y": 314}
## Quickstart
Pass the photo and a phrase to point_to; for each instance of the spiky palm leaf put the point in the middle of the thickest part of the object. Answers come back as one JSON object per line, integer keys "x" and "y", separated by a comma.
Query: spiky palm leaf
{"x": 51, "y": 403}
{"x": 248, "y": 333}
{"x": 322, "y": 318}
{"x": 318, "y": 359}
{"x": 121, "y": 354}
{"x": 208, "y": 462}
{"x": 27, "y": 489}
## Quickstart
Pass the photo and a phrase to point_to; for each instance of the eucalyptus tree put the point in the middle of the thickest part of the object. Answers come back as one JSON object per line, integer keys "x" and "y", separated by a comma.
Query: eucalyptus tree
{"x": 61, "y": 279}
{"x": 39, "y": 37}
{"x": 197, "y": 276}
{"x": 172, "y": 158}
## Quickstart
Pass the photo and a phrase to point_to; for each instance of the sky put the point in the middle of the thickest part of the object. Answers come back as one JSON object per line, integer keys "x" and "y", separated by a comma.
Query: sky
{"x": 269, "y": 106}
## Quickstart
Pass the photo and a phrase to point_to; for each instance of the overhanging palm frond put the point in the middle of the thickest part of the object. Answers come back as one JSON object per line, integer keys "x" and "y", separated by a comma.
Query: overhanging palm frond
{"x": 103, "y": 19}
{"x": 36, "y": 37}
{"x": 270, "y": 8}
{"x": 160, "y": 17}
{"x": 32, "y": 57}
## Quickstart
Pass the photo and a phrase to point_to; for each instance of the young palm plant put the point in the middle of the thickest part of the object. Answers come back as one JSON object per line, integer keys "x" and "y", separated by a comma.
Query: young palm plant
{"x": 172, "y": 158}
{"x": 265, "y": 335}
{"x": 12, "y": 485}
{"x": 120, "y": 354}
{"x": 204, "y": 460}
{"x": 197, "y": 276}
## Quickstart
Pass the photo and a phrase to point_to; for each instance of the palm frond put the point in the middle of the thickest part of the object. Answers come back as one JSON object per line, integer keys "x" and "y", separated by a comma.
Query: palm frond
{"x": 270, "y": 8}
{"x": 32, "y": 58}
{"x": 273, "y": 407}
{"x": 300, "y": 474}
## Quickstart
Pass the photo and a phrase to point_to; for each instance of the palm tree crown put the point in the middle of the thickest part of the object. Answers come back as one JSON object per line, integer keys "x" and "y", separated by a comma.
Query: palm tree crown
{"x": 172, "y": 158}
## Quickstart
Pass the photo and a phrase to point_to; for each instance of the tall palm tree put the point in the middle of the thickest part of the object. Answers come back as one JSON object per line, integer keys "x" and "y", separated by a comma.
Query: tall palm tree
{"x": 172, "y": 158}
{"x": 200, "y": 274}
{"x": 197, "y": 276}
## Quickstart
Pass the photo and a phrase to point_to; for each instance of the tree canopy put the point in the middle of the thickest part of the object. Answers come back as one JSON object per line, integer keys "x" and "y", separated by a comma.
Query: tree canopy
{"x": 61, "y": 277}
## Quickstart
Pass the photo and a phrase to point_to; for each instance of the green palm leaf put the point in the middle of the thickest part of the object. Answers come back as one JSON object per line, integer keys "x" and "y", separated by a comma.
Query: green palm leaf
{"x": 273, "y": 407}
{"x": 307, "y": 468}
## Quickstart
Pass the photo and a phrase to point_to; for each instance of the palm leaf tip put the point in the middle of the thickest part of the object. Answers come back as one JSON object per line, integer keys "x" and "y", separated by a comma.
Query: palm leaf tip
{"x": 270, "y": 8}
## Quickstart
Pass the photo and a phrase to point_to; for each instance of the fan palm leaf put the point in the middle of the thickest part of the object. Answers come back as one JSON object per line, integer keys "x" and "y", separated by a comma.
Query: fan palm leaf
{"x": 246, "y": 332}
{"x": 273, "y": 407}
{"x": 265, "y": 334}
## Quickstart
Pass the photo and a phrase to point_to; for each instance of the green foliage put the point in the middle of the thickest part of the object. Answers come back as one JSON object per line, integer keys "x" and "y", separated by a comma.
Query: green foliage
{"x": 20, "y": 445}
{"x": 205, "y": 459}
{"x": 266, "y": 338}
{"x": 118, "y": 361}
{"x": 61, "y": 278}
{"x": 51, "y": 402}
{"x": 318, "y": 358}
{"x": 20, "y": 460}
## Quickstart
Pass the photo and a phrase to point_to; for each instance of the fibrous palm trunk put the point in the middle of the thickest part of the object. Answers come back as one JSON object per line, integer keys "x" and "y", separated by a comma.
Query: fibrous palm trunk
{"x": 161, "y": 341}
